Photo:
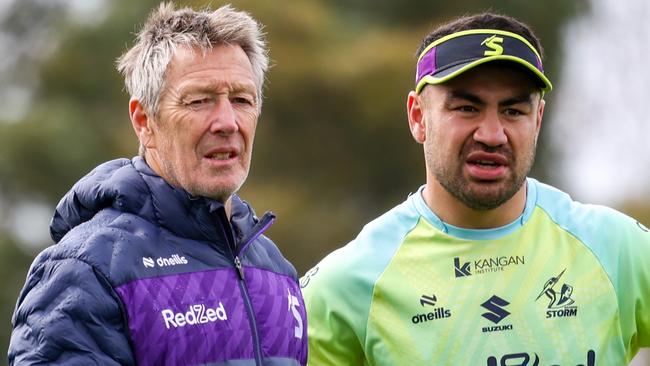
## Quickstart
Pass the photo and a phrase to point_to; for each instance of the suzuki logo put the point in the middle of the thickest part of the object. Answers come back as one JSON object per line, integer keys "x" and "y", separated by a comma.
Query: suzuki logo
{"x": 496, "y": 312}
{"x": 461, "y": 271}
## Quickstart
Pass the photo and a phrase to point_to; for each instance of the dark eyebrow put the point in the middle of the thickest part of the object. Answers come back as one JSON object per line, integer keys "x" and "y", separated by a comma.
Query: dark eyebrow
{"x": 462, "y": 95}
{"x": 526, "y": 98}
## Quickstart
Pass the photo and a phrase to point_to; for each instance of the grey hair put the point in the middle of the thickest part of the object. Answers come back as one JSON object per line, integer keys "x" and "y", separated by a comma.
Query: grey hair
{"x": 144, "y": 65}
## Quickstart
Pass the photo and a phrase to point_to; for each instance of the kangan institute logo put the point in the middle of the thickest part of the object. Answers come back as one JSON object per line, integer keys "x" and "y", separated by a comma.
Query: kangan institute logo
{"x": 560, "y": 304}
{"x": 434, "y": 313}
{"x": 461, "y": 271}
{"x": 486, "y": 265}
{"x": 496, "y": 312}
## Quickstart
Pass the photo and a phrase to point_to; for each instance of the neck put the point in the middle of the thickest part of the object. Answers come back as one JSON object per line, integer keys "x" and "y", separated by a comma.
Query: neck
{"x": 454, "y": 212}
{"x": 228, "y": 207}
{"x": 152, "y": 160}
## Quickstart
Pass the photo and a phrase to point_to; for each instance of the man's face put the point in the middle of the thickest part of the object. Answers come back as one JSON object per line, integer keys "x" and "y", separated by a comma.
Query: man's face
{"x": 481, "y": 133}
{"x": 202, "y": 135}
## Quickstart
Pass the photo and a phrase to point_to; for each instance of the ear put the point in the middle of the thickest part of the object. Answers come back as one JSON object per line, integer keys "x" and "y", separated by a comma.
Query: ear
{"x": 142, "y": 123}
{"x": 540, "y": 115}
{"x": 415, "y": 115}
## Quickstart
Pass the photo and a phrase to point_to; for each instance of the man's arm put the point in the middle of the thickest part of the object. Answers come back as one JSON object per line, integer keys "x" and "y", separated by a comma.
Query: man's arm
{"x": 640, "y": 259}
{"x": 331, "y": 334}
{"x": 67, "y": 314}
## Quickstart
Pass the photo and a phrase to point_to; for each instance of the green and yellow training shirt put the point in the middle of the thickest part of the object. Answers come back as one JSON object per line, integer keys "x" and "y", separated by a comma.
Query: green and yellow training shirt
{"x": 565, "y": 284}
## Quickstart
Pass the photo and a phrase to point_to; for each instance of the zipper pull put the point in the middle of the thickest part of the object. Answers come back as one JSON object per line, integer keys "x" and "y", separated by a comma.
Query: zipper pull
{"x": 240, "y": 269}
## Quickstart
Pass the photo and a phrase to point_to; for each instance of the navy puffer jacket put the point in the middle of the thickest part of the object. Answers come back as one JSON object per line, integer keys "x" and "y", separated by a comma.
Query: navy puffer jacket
{"x": 144, "y": 273}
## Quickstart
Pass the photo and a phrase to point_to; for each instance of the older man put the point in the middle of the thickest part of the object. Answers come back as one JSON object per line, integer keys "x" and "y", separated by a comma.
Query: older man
{"x": 482, "y": 265}
{"x": 157, "y": 260}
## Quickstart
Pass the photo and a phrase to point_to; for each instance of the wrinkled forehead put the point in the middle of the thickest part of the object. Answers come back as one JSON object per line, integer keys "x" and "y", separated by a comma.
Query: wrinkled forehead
{"x": 223, "y": 65}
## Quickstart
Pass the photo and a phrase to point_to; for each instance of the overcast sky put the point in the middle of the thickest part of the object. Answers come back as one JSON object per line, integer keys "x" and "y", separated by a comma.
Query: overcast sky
{"x": 601, "y": 114}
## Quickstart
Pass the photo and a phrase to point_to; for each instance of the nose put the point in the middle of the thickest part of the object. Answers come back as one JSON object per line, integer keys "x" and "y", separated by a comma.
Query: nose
{"x": 223, "y": 119}
{"x": 490, "y": 131}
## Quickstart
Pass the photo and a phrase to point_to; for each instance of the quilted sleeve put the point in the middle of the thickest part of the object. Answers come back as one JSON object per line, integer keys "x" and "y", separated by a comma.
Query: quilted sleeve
{"x": 68, "y": 314}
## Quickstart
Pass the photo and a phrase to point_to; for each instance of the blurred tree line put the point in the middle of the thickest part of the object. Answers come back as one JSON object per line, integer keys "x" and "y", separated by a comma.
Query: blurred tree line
{"x": 333, "y": 148}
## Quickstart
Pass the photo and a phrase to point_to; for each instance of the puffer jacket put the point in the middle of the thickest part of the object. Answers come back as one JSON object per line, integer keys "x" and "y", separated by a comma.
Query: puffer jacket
{"x": 144, "y": 273}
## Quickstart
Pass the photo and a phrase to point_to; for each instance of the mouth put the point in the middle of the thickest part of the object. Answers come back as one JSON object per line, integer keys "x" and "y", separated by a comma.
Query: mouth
{"x": 221, "y": 156}
{"x": 487, "y": 164}
{"x": 484, "y": 166}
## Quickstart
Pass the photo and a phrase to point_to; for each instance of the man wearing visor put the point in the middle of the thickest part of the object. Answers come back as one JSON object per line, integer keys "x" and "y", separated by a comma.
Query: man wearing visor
{"x": 483, "y": 265}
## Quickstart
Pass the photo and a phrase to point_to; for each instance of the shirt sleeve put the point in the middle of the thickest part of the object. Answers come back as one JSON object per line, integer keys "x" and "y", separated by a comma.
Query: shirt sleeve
{"x": 637, "y": 283}
{"x": 333, "y": 332}
{"x": 68, "y": 314}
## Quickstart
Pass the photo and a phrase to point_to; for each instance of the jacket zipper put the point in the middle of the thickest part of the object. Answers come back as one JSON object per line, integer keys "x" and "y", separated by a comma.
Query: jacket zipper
{"x": 257, "y": 347}
{"x": 266, "y": 222}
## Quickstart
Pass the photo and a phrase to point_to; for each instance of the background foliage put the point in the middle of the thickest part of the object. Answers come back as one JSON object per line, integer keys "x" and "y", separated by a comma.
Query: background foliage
{"x": 333, "y": 148}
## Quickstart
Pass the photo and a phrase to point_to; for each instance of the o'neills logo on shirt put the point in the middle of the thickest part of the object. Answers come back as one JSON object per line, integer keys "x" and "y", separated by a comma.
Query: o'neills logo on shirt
{"x": 485, "y": 265}
{"x": 197, "y": 314}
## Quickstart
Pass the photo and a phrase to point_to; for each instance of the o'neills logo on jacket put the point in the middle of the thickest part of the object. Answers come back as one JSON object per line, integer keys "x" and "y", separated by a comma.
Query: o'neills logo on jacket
{"x": 197, "y": 314}
{"x": 174, "y": 260}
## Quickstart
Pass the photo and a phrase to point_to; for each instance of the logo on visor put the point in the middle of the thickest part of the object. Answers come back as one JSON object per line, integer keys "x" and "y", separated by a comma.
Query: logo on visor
{"x": 494, "y": 44}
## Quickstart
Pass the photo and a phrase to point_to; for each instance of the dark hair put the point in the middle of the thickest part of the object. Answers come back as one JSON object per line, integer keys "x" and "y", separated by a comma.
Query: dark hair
{"x": 483, "y": 21}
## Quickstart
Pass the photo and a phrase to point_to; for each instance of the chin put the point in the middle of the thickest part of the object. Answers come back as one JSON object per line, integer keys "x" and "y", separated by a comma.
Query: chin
{"x": 220, "y": 191}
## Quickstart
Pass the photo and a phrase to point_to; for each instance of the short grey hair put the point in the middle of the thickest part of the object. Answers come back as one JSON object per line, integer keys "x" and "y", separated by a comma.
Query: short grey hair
{"x": 144, "y": 65}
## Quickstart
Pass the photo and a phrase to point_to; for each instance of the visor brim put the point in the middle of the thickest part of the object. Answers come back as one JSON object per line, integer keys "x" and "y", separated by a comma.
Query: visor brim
{"x": 449, "y": 73}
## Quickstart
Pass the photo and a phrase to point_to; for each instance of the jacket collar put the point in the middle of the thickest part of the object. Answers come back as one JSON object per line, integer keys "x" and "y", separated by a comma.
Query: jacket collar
{"x": 131, "y": 186}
